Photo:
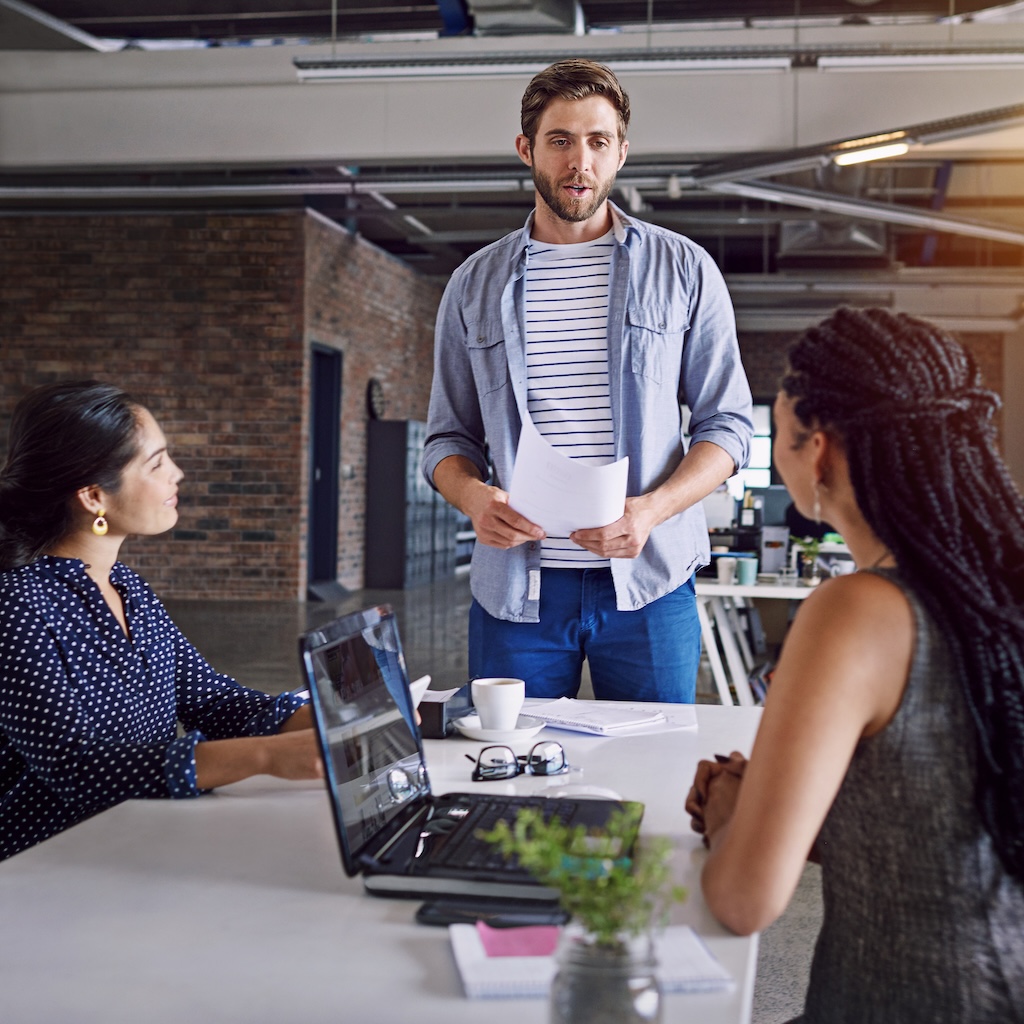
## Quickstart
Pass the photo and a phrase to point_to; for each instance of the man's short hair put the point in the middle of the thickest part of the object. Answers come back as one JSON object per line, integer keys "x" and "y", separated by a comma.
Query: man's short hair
{"x": 573, "y": 79}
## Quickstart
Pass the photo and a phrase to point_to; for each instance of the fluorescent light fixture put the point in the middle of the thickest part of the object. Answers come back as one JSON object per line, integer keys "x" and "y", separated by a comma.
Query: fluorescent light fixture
{"x": 960, "y": 61}
{"x": 342, "y": 70}
{"x": 862, "y": 156}
{"x": 490, "y": 65}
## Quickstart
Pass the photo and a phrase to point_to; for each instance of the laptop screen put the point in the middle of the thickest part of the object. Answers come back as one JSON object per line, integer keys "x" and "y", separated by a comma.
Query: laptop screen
{"x": 366, "y": 721}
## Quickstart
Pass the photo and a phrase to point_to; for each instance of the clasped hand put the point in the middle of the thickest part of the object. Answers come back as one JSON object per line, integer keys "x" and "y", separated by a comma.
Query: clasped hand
{"x": 712, "y": 797}
{"x": 625, "y": 538}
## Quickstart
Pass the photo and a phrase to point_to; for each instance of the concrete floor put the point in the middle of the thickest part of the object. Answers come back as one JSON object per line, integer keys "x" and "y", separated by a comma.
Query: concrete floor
{"x": 256, "y": 642}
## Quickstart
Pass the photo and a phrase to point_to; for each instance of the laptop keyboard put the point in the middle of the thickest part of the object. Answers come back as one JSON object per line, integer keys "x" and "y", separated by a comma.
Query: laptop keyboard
{"x": 464, "y": 849}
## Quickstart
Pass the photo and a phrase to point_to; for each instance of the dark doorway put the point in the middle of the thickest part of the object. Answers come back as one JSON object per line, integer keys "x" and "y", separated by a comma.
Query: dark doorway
{"x": 324, "y": 455}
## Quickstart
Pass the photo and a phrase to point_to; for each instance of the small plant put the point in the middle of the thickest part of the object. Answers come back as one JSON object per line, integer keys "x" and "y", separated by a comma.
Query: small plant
{"x": 810, "y": 546}
{"x": 612, "y": 896}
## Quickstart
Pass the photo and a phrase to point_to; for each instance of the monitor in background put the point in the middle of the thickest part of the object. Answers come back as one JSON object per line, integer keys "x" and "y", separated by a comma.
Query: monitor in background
{"x": 719, "y": 509}
{"x": 775, "y": 500}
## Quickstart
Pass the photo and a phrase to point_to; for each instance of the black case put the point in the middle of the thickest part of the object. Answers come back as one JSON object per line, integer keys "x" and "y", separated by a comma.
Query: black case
{"x": 437, "y": 717}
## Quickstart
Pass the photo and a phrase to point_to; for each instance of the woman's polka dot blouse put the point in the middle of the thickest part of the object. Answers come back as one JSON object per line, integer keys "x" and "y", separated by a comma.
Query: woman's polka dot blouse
{"x": 88, "y": 717}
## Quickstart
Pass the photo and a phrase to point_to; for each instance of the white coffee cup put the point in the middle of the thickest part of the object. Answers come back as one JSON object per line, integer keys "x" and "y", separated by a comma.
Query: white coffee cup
{"x": 726, "y": 569}
{"x": 498, "y": 702}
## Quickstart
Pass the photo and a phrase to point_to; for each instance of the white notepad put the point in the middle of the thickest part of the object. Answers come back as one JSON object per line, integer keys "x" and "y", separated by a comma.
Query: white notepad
{"x": 611, "y": 718}
{"x": 601, "y": 717}
{"x": 685, "y": 964}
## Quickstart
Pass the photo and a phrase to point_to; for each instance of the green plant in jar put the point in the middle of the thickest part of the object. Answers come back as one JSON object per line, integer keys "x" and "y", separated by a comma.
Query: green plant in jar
{"x": 611, "y": 894}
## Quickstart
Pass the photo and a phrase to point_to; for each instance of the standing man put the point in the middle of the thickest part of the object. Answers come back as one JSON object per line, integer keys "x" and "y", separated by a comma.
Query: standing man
{"x": 596, "y": 326}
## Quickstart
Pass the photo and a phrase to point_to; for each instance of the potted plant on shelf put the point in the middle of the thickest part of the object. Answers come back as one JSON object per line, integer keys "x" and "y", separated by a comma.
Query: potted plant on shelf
{"x": 810, "y": 547}
{"x": 615, "y": 901}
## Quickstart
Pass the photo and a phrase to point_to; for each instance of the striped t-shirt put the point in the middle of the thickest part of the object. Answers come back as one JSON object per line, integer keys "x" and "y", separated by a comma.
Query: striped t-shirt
{"x": 567, "y": 363}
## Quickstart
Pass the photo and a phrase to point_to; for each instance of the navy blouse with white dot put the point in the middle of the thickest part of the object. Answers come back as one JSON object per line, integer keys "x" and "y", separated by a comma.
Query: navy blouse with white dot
{"x": 89, "y": 717}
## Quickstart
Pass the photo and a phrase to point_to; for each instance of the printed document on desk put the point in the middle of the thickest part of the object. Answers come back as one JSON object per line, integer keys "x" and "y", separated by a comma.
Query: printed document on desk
{"x": 562, "y": 494}
{"x": 612, "y": 717}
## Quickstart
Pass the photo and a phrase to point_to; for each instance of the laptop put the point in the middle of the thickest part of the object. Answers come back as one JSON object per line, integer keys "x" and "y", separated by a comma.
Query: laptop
{"x": 391, "y": 828}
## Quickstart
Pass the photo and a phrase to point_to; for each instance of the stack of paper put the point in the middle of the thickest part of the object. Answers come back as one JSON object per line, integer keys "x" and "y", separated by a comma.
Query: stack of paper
{"x": 600, "y": 717}
{"x": 684, "y": 965}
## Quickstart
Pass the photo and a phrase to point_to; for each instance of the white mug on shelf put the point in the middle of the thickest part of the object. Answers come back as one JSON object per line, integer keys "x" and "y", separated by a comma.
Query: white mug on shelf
{"x": 498, "y": 702}
{"x": 726, "y": 569}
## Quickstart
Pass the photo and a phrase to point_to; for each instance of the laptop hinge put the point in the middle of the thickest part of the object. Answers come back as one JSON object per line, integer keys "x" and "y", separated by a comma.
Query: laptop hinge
{"x": 374, "y": 861}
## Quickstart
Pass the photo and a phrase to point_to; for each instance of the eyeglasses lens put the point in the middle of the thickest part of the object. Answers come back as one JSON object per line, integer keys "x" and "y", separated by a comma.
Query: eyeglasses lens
{"x": 547, "y": 759}
{"x": 497, "y": 763}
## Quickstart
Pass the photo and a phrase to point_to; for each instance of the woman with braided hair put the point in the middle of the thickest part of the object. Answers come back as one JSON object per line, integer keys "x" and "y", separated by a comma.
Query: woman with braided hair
{"x": 892, "y": 742}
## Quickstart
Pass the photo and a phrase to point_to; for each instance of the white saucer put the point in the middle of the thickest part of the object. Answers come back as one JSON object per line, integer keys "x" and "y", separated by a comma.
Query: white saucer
{"x": 469, "y": 726}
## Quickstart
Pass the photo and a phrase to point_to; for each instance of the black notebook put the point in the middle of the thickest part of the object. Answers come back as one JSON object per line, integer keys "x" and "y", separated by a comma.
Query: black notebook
{"x": 391, "y": 829}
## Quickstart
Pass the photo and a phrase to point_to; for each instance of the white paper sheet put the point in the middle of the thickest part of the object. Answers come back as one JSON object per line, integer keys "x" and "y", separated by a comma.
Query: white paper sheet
{"x": 561, "y": 494}
{"x": 685, "y": 964}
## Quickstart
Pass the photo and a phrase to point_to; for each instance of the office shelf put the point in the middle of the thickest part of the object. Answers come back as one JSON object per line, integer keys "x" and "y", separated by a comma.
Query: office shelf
{"x": 410, "y": 528}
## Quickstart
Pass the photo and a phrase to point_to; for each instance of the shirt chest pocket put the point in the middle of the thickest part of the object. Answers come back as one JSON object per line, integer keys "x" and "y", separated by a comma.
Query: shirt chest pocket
{"x": 655, "y": 338}
{"x": 485, "y": 342}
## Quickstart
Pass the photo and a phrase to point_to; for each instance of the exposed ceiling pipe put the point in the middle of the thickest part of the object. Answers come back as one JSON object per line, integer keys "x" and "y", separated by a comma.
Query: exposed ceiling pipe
{"x": 926, "y": 133}
{"x": 866, "y": 209}
{"x": 378, "y": 189}
{"x": 38, "y": 26}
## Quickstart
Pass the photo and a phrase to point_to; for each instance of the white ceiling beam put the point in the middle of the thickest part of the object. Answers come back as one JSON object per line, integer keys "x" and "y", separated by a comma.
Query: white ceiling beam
{"x": 245, "y": 105}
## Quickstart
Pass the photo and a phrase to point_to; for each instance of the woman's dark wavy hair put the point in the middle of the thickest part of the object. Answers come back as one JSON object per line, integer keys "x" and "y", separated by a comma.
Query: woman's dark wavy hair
{"x": 916, "y": 423}
{"x": 63, "y": 437}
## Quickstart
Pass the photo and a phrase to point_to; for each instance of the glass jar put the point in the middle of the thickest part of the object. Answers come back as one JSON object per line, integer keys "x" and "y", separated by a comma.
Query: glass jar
{"x": 810, "y": 571}
{"x": 598, "y": 984}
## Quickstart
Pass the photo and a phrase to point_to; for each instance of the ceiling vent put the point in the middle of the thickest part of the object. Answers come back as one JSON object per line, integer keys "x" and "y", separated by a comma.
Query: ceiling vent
{"x": 832, "y": 244}
{"x": 522, "y": 17}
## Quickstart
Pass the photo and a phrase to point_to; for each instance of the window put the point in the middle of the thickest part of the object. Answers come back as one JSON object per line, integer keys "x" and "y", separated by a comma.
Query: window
{"x": 759, "y": 471}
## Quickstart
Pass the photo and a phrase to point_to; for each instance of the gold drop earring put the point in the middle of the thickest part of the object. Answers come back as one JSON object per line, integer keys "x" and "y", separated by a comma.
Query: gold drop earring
{"x": 816, "y": 511}
{"x": 99, "y": 524}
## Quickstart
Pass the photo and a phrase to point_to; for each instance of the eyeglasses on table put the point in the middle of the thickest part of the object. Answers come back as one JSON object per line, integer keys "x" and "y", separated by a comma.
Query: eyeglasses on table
{"x": 500, "y": 762}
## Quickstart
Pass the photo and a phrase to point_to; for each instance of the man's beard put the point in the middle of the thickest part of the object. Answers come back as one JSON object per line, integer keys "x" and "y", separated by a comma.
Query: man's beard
{"x": 562, "y": 204}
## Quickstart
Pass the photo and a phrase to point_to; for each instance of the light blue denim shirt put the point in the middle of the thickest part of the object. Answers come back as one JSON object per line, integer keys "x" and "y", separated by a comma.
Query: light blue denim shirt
{"x": 671, "y": 339}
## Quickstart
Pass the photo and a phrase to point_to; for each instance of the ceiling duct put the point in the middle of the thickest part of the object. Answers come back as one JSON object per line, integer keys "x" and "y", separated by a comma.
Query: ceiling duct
{"x": 521, "y": 17}
{"x": 832, "y": 245}
{"x": 834, "y": 242}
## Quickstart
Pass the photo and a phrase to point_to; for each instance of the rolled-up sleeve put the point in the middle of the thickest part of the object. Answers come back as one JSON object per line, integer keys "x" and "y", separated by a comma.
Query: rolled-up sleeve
{"x": 455, "y": 423}
{"x": 713, "y": 383}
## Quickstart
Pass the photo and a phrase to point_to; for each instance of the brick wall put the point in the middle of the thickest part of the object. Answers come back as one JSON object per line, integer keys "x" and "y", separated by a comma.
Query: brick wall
{"x": 204, "y": 316}
{"x": 208, "y": 317}
{"x": 764, "y": 359}
{"x": 380, "y": 314}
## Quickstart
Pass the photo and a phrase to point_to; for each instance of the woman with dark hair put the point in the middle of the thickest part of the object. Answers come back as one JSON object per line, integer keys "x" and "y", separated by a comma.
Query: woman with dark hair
{"x": 94, "y": 676}
{"x": 892, "y": 742}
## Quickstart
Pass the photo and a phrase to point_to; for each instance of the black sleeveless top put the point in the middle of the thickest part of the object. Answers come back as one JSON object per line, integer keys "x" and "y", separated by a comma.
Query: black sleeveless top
{"x": 922, "y": 923}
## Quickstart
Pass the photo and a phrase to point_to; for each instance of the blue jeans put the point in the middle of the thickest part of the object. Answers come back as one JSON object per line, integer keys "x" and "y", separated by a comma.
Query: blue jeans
{"x": 649, "y": 654}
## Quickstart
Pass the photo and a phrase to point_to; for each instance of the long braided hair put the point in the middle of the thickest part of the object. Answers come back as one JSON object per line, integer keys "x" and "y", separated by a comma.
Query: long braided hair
{"x": 909, "y": 406}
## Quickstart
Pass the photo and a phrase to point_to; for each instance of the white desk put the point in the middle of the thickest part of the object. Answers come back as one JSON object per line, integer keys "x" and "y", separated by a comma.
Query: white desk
{"x": 235, "y": 908}
{"x": 722, "y": 599}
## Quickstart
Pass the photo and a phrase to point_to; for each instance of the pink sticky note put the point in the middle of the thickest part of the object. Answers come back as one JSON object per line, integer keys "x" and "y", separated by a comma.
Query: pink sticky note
{"x": 531, "y": 940}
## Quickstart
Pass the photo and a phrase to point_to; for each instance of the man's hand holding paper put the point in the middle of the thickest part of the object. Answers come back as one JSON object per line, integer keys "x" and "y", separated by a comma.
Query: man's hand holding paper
{"x": 564, "y": 495}
{"x": 626, "y": 537}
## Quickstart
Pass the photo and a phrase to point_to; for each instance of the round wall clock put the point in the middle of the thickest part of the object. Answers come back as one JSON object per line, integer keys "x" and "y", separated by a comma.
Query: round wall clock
{"x": 375, "y": 404}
